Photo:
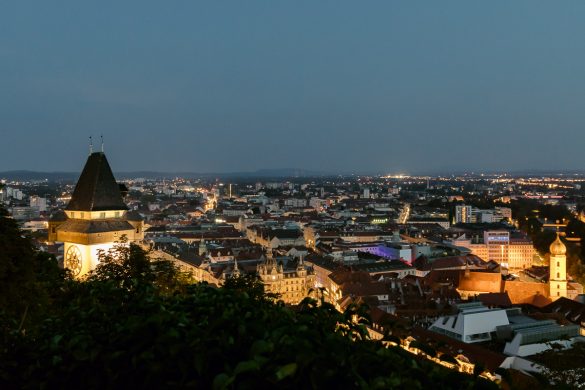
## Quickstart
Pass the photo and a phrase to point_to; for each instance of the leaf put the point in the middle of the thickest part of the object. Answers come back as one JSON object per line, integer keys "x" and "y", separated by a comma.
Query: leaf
{"x": 55, "y": 340}
{"x": 286, "y": 371}
{"x": 222, "y": 381}
{"x": 248, "y": 365}
{"x": 261, "y": 346}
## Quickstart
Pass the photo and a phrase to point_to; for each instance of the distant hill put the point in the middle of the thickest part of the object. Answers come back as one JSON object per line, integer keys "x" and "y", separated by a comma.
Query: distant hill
{"x": 35, "y": 175}
{"x": 72, "y": 176}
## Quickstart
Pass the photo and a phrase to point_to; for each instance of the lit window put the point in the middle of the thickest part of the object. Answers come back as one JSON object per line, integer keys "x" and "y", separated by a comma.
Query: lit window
{"x": 102, "y": 215}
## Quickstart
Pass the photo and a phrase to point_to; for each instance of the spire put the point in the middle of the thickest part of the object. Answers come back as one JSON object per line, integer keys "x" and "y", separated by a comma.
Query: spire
{"x": 236, "y": 271}
{"x": 96, "y": 189}
{"x": 301, "y": 263}
{"x": 202, "y": 247}
{"x": 102, "y": 138}
{"x": 90, "y": 145}
{"x": 270, "y": 263}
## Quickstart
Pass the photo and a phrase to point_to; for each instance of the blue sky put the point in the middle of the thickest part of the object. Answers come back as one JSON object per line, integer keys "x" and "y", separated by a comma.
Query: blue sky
{"x": 409, "y": 86}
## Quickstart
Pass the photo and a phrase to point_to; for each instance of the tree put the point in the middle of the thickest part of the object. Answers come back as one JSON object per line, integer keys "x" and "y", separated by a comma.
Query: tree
{"x": 28, "y": 279}
{"x": 129, "y": 266}
{"x": 124, "y": 328}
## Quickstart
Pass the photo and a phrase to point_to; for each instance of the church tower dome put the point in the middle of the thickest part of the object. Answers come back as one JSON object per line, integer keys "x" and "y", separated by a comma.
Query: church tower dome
{"x": 557, "y": 247}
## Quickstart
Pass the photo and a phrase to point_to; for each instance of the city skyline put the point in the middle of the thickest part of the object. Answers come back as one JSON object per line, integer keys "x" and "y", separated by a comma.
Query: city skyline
{"x": 328, "y": 87}
{"x": 382, "y": 194}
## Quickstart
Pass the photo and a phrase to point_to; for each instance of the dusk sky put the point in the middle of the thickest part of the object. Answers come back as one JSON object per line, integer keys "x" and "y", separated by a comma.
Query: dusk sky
{"x": 337, "y": 86}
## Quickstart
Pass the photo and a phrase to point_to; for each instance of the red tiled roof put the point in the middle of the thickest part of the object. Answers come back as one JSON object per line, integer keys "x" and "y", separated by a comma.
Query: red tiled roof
{"x": 474, "y": 352}
{"x": 495, "y": 299}
{"x": 532, "y": 293}
{"x": 572, "y": 310}
{"x": 481, "y": 281}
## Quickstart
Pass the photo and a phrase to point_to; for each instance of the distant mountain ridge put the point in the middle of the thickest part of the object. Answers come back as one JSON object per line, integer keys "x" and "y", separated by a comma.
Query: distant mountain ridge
{"x": 277, "y": 173}
{"x": 261, "y": 173}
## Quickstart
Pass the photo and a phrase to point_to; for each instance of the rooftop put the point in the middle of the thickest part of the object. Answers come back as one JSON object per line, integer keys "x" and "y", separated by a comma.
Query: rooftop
{"x": 96, "y": 189}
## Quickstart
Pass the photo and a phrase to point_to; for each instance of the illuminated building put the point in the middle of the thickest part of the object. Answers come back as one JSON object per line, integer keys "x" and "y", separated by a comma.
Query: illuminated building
{"x": 558, "y": 269}
{"x": 38, "y": 203}
{"x": 468, "y": 214}
{"x": 95, "y": 218}
{"x": 292, "y": 284}
{"x": 462, "y": 214}
{"x": 512, "y": 252}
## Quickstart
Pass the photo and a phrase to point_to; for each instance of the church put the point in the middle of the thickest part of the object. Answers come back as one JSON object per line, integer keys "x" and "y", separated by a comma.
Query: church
{"x": 535, "y": 293}
{"x": 95, "y": 219}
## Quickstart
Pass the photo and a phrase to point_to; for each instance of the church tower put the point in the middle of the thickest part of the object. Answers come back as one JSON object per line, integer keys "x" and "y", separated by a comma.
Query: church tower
{"x": 95, "y": 218}
{"x": 269, "y": 269}
{"x": 558, "y": 269}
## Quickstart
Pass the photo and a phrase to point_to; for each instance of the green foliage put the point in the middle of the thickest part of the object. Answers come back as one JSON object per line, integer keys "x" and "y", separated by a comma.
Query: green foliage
{"x": 529, "y": 209}
{"x": 424, "y": 348}
{"x": 542, "y": 240}
{"x": 449, "y": 359}
{"x": 129, "y": 266}
{"x": 527, "y": 212}
{"x": 250, "y": 286}
{"x": 28, "y": 279}
{"x": 137, "y": 323}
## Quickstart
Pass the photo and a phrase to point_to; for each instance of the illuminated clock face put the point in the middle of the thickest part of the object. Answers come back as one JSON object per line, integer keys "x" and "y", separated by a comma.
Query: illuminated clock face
{"x": 73, "y": 260}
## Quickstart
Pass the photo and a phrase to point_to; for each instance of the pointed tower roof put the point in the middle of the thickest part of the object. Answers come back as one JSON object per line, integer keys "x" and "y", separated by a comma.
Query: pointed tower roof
{"x": 96, "y": 189}
{"x": 270, "y": 258}
{"x": 301, "y": 264}
{"x": 236, "y": 271}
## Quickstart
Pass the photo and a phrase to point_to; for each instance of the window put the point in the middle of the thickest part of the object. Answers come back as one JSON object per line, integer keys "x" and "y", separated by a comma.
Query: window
{"x": 102, "y": 215}
{"x": 117, "y": 214}
{"x": 558, "y": 264}
{"x": 72, "y": 214}
{"x": 558, "y": 275}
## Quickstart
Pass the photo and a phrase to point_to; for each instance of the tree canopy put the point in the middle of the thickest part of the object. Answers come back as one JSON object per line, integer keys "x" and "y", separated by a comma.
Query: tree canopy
{"x": 137, "y": 322}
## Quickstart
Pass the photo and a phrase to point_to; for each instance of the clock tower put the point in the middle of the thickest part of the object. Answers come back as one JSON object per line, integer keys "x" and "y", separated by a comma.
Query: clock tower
{"x": 95, "y": 218}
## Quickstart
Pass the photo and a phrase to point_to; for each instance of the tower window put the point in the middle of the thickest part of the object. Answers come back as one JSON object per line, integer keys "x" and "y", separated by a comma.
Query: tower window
{"x": 558, "y": 264}
{"x": 102, "y": 215}
{"x": 558, "y": 275}
{"x": 117, "y": 214}
{"x": 81, "y": 215}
